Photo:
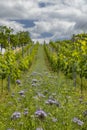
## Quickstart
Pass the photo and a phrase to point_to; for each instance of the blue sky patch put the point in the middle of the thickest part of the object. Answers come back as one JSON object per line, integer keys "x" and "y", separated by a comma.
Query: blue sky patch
{"x": 46, "y": 34}
{"x": 42, "y": 4}
{"x": 27, "y": 23}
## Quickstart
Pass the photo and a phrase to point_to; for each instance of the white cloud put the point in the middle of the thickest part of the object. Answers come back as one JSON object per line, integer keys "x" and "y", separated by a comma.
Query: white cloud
{"x": 16, "y": 26}
{"x": 61, "y": 18}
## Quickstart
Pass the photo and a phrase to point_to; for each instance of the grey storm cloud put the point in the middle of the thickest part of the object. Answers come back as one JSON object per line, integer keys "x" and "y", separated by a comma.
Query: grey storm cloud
{"x": 51, "y": 20}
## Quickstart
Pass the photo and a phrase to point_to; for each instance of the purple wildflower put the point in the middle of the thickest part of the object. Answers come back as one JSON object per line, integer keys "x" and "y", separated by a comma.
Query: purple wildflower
{"x": 21, "y": 92}
{"x": 26, "y": 112}
{"x": 34, "y": 80}
{"x": 18, "y": 81}
{"x": 34, "y": 84}
{"x": 40, "y": 114}
{"x": 79, "y": 122}
{"x": 75, "y": 119}
{"x": 40, "y": 95}
{"x": 52, "y": 101}
{"x": 85, "y": 113}
{"x": 16, "y": 115}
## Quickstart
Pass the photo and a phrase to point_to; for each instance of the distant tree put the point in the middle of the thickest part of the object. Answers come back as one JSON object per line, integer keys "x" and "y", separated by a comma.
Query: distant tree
{"x": 5, "y": 36}
{"x": 24, "y": 38}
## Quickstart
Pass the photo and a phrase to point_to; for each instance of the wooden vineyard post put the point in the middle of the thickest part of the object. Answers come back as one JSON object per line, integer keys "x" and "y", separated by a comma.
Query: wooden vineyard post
{"x": 74, "y": 75}
{"x": 22, "y": 51}
{"x": 8, "y": 86}
{"x": 9, "y": 82}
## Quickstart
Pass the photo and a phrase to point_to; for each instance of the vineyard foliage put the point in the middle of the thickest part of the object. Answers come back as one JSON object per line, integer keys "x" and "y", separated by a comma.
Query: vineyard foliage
{"x": 13, "y": 64}
{"x": 71, "y": 55}
{"x": 43, "y": 100}
{"x": 32, "y": 96}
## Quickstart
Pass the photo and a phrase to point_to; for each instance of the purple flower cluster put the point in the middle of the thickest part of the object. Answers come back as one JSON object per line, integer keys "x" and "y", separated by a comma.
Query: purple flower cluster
{"x": 40, "y": 114}
{"x": 85, "y": 113}
{"x": 18, "y": 81}
{"x": 21, "y": 93}
{"x": 34, "y": 80}
{"x": 40, "y": 95}
{"x": 16, "y": 115}
{"x": 79, "y": 122}
{"x": 34, "y": 85}
{"x": 52, "y": 101}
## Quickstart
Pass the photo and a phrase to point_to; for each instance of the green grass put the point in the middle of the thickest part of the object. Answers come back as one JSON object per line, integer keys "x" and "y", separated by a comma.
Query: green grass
{"x": 49, "y": 86}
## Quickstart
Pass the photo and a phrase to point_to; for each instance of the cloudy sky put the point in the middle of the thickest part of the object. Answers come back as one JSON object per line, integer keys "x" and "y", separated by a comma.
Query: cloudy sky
{"x": 45, "y": 19}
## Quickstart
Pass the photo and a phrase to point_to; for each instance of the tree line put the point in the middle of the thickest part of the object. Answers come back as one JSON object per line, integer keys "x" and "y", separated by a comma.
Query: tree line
{"x": 15, "y": 39}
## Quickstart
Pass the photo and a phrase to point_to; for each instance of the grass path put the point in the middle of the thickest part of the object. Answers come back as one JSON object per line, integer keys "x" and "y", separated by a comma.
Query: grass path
{"x": 45, "y": 93}
{"x": 40, "y": 64}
